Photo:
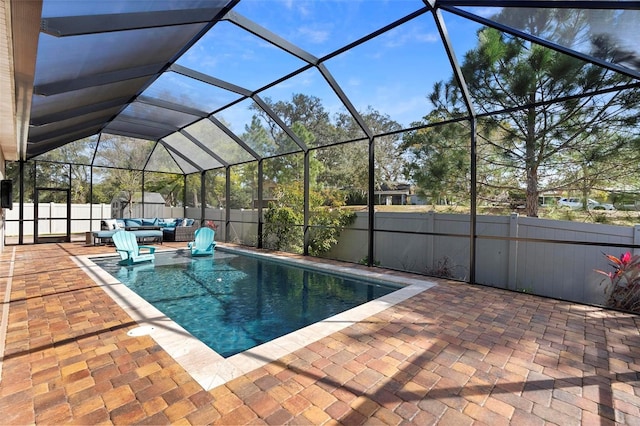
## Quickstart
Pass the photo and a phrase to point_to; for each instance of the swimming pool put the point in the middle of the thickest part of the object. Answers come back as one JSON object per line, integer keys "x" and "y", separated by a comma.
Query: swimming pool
{"x": 234, "y": 302}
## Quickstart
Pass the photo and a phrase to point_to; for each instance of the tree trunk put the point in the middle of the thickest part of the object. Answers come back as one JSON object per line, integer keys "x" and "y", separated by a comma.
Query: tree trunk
{"x": 531, "y": 164}
{"x": 195, "y": 197}
{"x": 585, "y": 186}
{"x": 532, "y": 193}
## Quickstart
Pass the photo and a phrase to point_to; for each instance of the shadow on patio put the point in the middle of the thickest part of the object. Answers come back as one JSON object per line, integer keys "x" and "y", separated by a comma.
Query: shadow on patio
{"x": 454, "y": 354}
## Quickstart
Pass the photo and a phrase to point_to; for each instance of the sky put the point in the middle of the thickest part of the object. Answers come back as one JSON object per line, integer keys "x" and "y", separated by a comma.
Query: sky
{"x": 392, "y": 73}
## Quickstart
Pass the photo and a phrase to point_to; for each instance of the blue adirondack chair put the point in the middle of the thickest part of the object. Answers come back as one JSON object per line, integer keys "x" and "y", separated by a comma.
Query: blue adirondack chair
{"x": 204, "y": 243}
{"x": 129, "y": 250}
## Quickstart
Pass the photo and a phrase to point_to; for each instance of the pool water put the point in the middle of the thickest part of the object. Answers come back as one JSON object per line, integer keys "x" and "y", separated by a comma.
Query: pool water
{"x": 233, "y": 302}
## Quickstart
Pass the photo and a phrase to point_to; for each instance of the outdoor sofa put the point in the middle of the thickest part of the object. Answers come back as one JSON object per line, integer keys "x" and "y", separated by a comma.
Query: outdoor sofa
{"x": 180, "y": 229}
{"x": 145, "y": 230}
{"x": 148, "y": 229}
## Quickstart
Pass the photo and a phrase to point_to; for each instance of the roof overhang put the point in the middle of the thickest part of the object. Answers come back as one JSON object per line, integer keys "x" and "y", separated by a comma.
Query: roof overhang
{"x": 19, "y": 31}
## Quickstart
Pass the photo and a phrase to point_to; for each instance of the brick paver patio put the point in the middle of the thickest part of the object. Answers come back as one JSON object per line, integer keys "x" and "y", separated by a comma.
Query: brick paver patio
{"x": 455, "y": 354}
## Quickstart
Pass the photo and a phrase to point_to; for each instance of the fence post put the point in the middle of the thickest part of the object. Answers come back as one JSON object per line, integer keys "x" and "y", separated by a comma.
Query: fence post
{"x": 636, "y": 238}
{"x": 430, "y": 225}
{"x": 51, "y": 210}
{"x": 513, "y": 253}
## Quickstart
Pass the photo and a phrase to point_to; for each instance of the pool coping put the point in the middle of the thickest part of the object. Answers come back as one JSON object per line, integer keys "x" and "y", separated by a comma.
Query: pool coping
{"x": 209, "y": 368}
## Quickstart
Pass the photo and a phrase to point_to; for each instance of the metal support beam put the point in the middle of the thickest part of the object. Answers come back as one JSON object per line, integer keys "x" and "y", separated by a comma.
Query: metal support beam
{"x": 161, "y": 103}
{"x": 270, "y": 37}
{"x": 227, "y": 207}
{"x": 66, "y": 130}
{"x": 181, "y": 155}
{"x": 121, "y": 118}
{"x": 305, "y": 203}
{"x": 58, "y": 87}
{"x": 537, "y": 40}
{"x": 184, "y": 196}
{"x": 553, "y": 4}
{"x": 65, "y": 26}
{"x": 21, "y": 207}
{"x": 280, "y": 123}
{"x": 474, "y": 203}
{"x": 197, "y": 75}
{"x": 134, "y": 135}
{"x": 204, "y": 148}
{"x": 77, "y": 112}
{"x": 203, "y": 196}
{"x": 233, "y": 136}
{"x": 260, "y": 199}
{"x": 457, "y": 72}
{"x": 370, "y": 204}
{"x": 142, "y": 194}
{"x": 69, "y": 207}
{"x": 345, "y": 100}
{"x": 91, "y": 197}
{"x": 54, "y": 142}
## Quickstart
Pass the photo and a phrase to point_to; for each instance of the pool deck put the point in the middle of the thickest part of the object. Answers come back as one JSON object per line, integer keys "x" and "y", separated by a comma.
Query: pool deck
{"x": 450, "y": 354}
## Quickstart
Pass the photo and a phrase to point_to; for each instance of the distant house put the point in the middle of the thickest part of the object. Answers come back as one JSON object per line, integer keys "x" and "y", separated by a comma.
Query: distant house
{"x": 123, "y": 207}
{"x": 393, "y": 194}
{"x": 549, "y": 199}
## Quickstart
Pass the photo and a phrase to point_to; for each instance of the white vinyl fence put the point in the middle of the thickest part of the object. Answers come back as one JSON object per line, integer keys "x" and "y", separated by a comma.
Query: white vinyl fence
{"x": 552, "y": 266}
{"x": 545, "y": 260}
{"x": 80, "y": 215}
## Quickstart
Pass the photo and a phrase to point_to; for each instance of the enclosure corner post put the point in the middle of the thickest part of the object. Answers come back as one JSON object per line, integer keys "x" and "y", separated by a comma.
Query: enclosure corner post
{"x": 203, "y": 196}
{"x": 370, "y": 204}
{"x": 636, "y": 238}
{"x": 305, "y": 226}
{"x": 260, "y": 201}
{"x": 227, "y": 207}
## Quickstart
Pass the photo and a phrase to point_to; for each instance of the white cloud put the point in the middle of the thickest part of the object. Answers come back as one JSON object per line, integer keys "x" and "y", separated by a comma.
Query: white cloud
{"x": 316, "y": 36}
{"x": 401, "y": 37}
{"x": 297, "y": 6}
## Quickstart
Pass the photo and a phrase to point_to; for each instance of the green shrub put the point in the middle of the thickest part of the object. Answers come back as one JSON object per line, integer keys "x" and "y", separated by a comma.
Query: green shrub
{"x": 623, "y": 287}
{"x": 283, "y": 228}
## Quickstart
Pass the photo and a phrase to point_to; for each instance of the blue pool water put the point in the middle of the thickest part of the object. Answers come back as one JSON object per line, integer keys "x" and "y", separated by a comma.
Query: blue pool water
{"x": 233, "y": 302}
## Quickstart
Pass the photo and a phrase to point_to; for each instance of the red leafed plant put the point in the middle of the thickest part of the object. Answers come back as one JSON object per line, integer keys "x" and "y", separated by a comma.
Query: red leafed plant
{"x": 623, "y": 287}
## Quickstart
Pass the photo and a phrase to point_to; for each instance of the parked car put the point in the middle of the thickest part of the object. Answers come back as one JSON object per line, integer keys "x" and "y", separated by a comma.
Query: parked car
{"x": 602, "y": 206}
{"x": 576, "y": 203}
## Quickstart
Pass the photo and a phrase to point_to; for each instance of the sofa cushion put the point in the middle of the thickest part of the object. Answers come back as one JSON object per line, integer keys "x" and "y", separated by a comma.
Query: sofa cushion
{"x": 167, "y": 223}
{"x": 108, "y": 224}
{"x": 152, "y": 233}
{"x": 132, "y": 222}
{"x": 150, "y": 222}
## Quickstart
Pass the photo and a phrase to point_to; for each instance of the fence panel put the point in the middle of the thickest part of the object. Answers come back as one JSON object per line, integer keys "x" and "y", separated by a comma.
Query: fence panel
{"x": 541, "y": 257}
{"x": 79, "y": 218}
{"x": 553, "y": 268}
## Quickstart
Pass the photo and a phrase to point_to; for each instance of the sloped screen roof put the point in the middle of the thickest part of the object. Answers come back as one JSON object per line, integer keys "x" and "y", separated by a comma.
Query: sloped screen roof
{"x": 191, "y": 76}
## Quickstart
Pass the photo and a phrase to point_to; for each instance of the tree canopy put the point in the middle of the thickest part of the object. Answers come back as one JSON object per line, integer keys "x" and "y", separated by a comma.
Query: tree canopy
{"x": 541, "y": 110}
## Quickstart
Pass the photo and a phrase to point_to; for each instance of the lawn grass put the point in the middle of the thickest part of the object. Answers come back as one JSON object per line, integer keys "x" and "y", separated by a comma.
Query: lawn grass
{"x": 615, "y": 217}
